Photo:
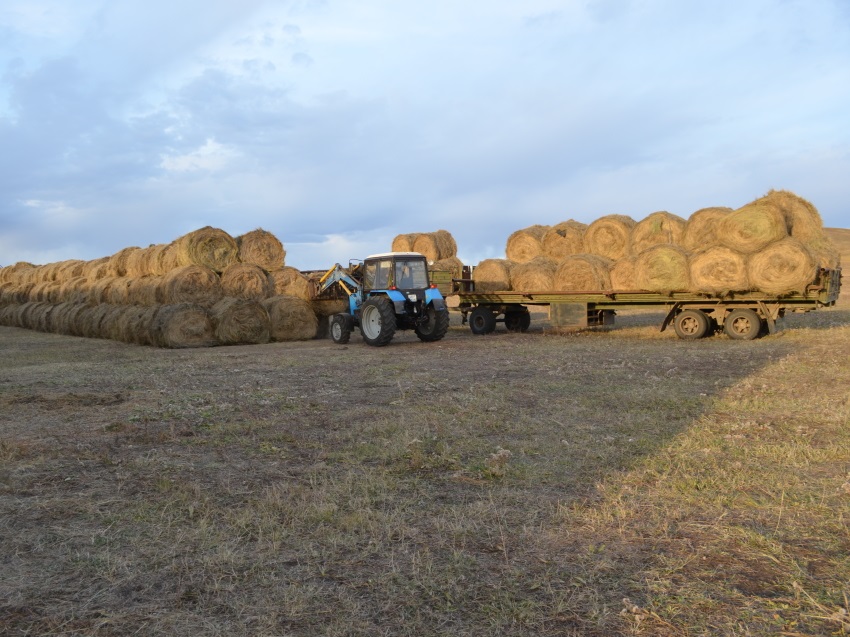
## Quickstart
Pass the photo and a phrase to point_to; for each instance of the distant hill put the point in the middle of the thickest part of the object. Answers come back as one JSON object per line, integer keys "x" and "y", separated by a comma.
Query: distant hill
{"x": 841, "y": 238}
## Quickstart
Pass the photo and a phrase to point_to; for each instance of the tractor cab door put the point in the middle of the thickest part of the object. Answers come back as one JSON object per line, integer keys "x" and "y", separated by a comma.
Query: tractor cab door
{"x": 410, "y": 274}
{"x": 377, "y": 275}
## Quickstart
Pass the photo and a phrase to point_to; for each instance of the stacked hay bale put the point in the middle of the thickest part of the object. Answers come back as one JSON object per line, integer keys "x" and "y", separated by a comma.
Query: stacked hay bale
{"x": 438, "y": 247}
{"x": 774, "y": 244}
{"x": 204, "y": 288}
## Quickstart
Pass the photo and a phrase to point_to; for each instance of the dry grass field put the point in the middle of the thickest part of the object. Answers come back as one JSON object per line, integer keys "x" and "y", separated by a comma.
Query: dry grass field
{"x": 595, "y": 483}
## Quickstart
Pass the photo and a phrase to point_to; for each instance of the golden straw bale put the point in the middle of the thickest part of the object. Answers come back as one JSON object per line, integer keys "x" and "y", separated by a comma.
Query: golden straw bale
{"x": 526, "y": 244}
{"x": 134, "y": 324}
{"x": 155, "y": 259}
{"x": 436, "y": 245}
{"x": 805, "y": 225}
{"x": 404, "y": 242}
{"x": 191, "y": 284}
{"x": 623, "y": 274}
{"x": 564, "y": 239}
{"x": 109, "y": 322}
{"x": 492, "y": 275}
{"x": 449, "y": 264}
{"x": 96, "y": 269}
{"x": 210, "y": 247}
{"x": 118, "y": 292}
{"x": 100, "y": 290}
{"x": 260, "y": 247}
{"x": 96, "y": 321}
{"x": 118, "y": 261}
{"x": 701, "y": 229}
{"x": 583, "y": 272}
{"x": 537, "y": 275}
{"x": 609, "y": 236}
{"x": 15, "y": 273}
{"x": 663, "y": 268}
{"x": 329, "y": 307}
{"x": 145, "y": 290}
{"x": 182, "y": 325}
{"x": 657, "y": 228}
{"x": 291, "y": 318}
{"x": 74, "y": 290}
{"x": 43, "y": 318}
{"x": 70, "y": 270}
{"x": 169, "y": 258}
{"x": 752, "y": 227}
{"x": 782, "y": 268}
{"x": 65, "y": 318}
{"x": 24, "y": 312}
{"x": 240, "y": 321}
{"x": 39, "y": 291}
{"x": 135, "y": 263}
{"x": 719, "y": 270}
{"x": 246, "y": 281}
{"x": 289, "y": 280}
{"x": 8, "y": 293}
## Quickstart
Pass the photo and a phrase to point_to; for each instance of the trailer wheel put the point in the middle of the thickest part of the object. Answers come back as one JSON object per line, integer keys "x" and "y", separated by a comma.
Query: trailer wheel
{"x": 436, "y": 326}
{"x": 742, "y": 324}
{"x": 341, "y": 325}
{"x": 377, "y": 321}
{"x": 482, "y": 320}
{"x": 517, "y": 320}
{"x": 691, "y": 324}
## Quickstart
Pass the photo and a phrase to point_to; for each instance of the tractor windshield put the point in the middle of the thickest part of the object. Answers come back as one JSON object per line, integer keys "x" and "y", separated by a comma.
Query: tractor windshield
{"x": 411, "y": 274}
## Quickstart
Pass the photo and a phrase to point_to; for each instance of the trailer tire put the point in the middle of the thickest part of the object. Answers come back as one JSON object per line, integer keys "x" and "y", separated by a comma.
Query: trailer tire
{"x": 691, "y": 324}
{"x": 377, "y": 321}
{"x": 341, "y": 326}
{"x": 742, "y": 324}
{"x": 517, "y": 320}
{"x": 436, "y": 327}
{"x": 482, "y": 320}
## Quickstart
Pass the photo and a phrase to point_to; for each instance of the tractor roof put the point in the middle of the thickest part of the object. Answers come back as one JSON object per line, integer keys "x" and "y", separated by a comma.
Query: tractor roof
{"x": 386, "y": 255}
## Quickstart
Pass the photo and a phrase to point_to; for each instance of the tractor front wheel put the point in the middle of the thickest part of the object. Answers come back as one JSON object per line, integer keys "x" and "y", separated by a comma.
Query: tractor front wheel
{"x": 435, "y": 326}
{"x": 377, "y": 321}
{"x": 341, "y": 325}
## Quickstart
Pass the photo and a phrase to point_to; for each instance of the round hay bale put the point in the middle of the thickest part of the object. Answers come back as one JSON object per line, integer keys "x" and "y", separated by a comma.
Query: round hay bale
{"x": 246, "y": 281}
{"x": 109, "y": 321}
{"x": 118, "y": 292}
{"x": 526, "y": 244}
{"x": 133, "y": 324}
{"x": 40, "y": 291}
{"x": 135, "y": 263}
{"x": 564, "y": 239}
{"x": 404, "y": 242}
{"x": 752, "y": 227}
{"x": 719, "y": 270}
{"x": 15, "y": 273}
{"x": 450, "y": 264}
{"x": 435, "y": 245}
{"x": 97, "y": 321}
{"x": 240, "y": 321}
{"x": 583, "y": 272}
{"x": 155, "y": 259}
{"x": 169, "y": 258}
{"x": 291, "y": 318}
{"x": 74, "y": 290}
{"x": 8, "y": 293}
{"x": 657, "y": 228}
{"x": 70, "y": 270}
{"x": 191, "y": 284}
{"x": 98, "y": 292}
{"x": 181, "y": 326}
{"x": 65, "y": 318}
{"x": 209, "y": 247}
{"x": 537, "y": 275}
{"x": 701, "y": 229}
{"x": 782, "y": 268}
{"x": 805, "y": 224}
{"x": 43, "y": 321}
{"x": 289, "y": 280}
{"x": 261, "y": 248}
{"x": 663, "y": 268}
{"x": 25, "y": 314}
{"x": 609, "y": 236}
{"x": 492, "y": 275}
{"x": 329, "y": 307}
{"x": 118, "y": 261}
{"x": 145, "y": 290}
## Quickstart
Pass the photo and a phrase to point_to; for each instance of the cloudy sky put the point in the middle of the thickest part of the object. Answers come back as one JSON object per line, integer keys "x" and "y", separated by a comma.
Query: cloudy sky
{"x": 337, "y": 124}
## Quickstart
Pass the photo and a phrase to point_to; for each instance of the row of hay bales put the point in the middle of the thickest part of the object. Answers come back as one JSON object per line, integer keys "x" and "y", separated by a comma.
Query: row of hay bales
{"x": 439, "y": 248}
{"x": 774, "y": 245}
{"x": 205, "y": 288}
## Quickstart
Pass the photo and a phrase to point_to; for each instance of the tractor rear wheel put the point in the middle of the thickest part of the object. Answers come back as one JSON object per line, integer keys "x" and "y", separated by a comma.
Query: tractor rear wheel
{"x": 341, "y": 325}
{"x": 377, "y": 321}
{"x": 436, "y": 326}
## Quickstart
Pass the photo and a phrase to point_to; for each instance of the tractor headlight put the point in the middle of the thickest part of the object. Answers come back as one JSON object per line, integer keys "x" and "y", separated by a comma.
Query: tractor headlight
{"x": 412, "y": 297}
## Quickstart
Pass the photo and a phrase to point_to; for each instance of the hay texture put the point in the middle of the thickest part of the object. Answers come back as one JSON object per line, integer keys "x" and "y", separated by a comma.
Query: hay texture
{"x": 289, "y": 280}
{"x": 701, "y": 229}
{"x": 209, "y": 247}
{"x": 191, "y": 284}
{"x": 805, "y": 224}
{"x": 564, "y": 239}
{"x": 404, "y": 242}
{"x": 657, "y": 228}
{"x": 663, "y": 268}
{"x": 492, "y": 275}
{"x": 537, "y": 275}
{"x": 435, "y": 245}
{"x": 183, "y": 325}
{"x": 583, "y": 272}
{"x": 719, "y": 270}
{"x": 261, "y": 248}
{"x": 240, "y": 321}
{"x": 246, "y": 281}
{"x": 450, "y": 264}
{"x": 782, "y": 268}
{"x": 752, "y": 227}
{"x": 609, "y": 236}
{"x": 526, "y": 244}
{"x": 291, "y": 318}
{"x": 118, "y": 261}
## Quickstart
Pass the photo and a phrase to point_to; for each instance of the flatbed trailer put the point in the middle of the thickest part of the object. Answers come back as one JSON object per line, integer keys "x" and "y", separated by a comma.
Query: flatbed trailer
{"x": 741, "y": 315}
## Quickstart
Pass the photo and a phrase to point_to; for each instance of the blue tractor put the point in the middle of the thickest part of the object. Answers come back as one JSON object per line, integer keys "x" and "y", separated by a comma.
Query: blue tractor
{"x": 387, "y": 292}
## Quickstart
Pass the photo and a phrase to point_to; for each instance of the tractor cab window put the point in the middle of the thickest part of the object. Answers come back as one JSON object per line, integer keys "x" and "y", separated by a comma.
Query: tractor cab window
{"x": 369, "y": 270}
{"x": 377, "y": 275}
{"x": 411, "y": 274}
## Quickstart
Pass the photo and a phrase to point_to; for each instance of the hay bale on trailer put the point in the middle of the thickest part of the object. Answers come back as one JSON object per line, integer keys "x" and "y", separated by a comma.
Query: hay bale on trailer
{"x": 701, "y": 229}
{"x": 404, "y": 242}
{"x": 194, "y": 284}
{"x": 537, "y": 275}
{"x": 450, "y": 264}
{"x": 526, "y": 244}
{"x": 291, "y": 318}
{"x": 663, "y": 268}
{"x": 583, "y": 272}
{"x": 240, "y": 321}
{"x": 752, "y": 227}
{"x": 208, "y": 247}
{"x": 492, "y": 275}
{"x": 181, "y": 326}
{"x": 805, "y": 225}
{"x": 657, "y": 228}
{"x": 261, "y": 248}
{"x": 564, "y": 239}
{"x": 289, "y": 280}
{"x": 436, "y": 245}
{"x": 719, "y": 270}
{"x": 782, "y": 268}
{"x": 246, "y": 281}
{"x": 609, "y": 236}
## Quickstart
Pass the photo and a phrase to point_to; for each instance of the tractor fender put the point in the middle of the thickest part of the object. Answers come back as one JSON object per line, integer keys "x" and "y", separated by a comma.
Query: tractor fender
{"x": 433, "y": 296}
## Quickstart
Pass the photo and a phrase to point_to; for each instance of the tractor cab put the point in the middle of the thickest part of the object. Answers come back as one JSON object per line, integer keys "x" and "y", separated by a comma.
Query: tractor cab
{"x": 403, "y": 271}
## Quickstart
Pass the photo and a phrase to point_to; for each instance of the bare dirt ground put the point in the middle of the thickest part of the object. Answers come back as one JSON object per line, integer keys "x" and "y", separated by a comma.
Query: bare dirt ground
{"x": 616, "y": 482}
